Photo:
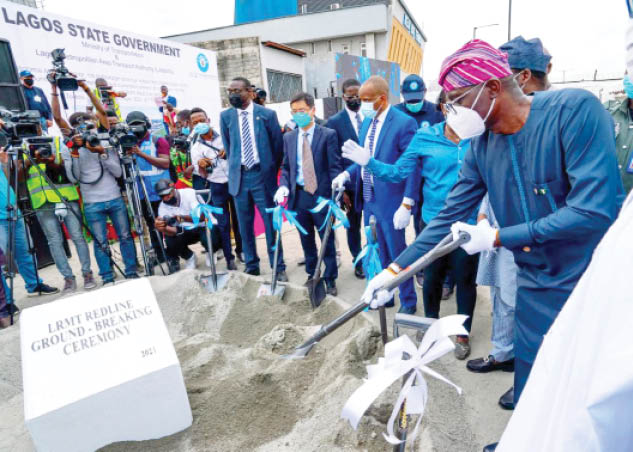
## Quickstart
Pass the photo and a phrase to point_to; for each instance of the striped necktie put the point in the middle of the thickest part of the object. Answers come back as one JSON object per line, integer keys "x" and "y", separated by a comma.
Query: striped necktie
{"x": 359, "y": 123}
{"x": 247, "y": 142}
{"x": 309, "y": 174}
{"x": 368, "y": 184}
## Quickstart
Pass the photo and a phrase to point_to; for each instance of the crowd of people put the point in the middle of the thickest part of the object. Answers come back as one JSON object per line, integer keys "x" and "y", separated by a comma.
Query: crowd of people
{"x": 533, "y": 174}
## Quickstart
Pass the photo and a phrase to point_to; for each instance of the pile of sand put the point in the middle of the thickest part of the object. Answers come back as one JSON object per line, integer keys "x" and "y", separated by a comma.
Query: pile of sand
{"x": 243, "y": 395}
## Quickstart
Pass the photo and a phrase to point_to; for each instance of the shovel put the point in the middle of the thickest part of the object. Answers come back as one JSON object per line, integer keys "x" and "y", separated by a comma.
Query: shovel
{"x": 315, "y": 285}
{"x": 273, "y": 289}
{"x": 382, "y": 313}
{"x": 446, "y": 246}
{"x": 215, "y": 281}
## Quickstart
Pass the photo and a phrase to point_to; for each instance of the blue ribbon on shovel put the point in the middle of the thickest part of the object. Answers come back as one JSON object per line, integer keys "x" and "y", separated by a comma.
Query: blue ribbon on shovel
{"x": 278, "y": 220}
{"x": 333, "y": 208}
{"x": 204, "y": 210}
{"x": 370, "y": 256}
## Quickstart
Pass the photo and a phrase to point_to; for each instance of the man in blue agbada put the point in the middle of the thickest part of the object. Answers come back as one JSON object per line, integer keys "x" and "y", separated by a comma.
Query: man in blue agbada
{"x": 548, "y": 163}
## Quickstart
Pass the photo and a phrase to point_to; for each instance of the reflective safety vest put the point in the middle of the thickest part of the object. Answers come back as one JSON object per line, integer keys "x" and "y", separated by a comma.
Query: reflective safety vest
{"x": 39, "y": 190}
{"x": 117, "y": 110}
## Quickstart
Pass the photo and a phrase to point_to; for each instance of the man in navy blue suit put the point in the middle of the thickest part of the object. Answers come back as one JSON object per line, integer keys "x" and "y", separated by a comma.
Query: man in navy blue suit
{"x": 311, "y": 160}
{"x": 347, "y": 123}
{"x": 254, "y": 146}
{"x": 387, "y": 133}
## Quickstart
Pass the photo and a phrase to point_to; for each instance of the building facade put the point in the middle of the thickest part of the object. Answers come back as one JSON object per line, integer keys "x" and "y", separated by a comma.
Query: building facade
{"x": 378, "y": 29}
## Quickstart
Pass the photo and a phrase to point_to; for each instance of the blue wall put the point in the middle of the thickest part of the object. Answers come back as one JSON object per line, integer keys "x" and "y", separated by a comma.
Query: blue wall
{"x": 254, "y": 10}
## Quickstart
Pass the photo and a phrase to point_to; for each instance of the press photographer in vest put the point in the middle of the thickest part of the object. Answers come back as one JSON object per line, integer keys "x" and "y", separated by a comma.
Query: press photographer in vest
{"x": 43, "y": 165}
{"x": 152, "y": 158}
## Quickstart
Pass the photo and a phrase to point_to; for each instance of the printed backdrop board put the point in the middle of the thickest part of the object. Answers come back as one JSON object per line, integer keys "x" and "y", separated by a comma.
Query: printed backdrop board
{"x": 133, "y": 63}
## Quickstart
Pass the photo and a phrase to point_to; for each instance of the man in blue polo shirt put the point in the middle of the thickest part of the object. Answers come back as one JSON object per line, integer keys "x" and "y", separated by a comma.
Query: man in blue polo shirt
{"x": 36, "y": 99}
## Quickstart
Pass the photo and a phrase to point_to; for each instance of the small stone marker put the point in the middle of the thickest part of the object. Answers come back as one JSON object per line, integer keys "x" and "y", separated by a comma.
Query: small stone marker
{"x": 99, "y": 368}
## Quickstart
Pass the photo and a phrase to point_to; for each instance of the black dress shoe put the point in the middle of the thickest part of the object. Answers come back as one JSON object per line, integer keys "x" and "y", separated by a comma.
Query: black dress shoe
{"x": 507, "y": 400}
{"x": 491, "y": 447}
{"x": 282, "y": 277}
{"x": 230, "y": 265}
{"x": 488, "y": 364}
{"x": 358, "y": 272}
{"x": 252, "y": 272}
{"x": 406, "y": 310}
{"x": 240, "y": 256}
{"x": 331, "y": 288}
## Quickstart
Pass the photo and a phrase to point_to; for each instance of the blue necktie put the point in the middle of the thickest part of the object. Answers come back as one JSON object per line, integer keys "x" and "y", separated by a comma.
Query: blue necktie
{"x": 359, "y": 123}
{"x": 247, "y": 142}
{"x": 368, "y": 186}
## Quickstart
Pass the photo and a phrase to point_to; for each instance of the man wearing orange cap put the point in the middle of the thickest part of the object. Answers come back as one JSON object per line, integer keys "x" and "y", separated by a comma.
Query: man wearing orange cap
{"x": 548, "y": 163}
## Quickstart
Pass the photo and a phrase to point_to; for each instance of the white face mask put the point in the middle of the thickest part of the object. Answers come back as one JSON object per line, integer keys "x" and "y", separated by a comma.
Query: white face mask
{"x": 466, "y": 122}
{"x": 367, "y": 109}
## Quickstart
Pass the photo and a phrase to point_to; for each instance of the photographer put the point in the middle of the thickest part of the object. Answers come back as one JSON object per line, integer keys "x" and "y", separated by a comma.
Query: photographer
{"x": 152, "y": 158}
{"x": 173, "y": 221}
{"x": 46, "y": 165}
{"x": 36, "y": 99}
{"x": 97, "y": 169}
{"x": 85, "y": 118}
{"x": 107, "y": 96}
{"x": 181, "y": 168}
{"x": 209, "y": 161}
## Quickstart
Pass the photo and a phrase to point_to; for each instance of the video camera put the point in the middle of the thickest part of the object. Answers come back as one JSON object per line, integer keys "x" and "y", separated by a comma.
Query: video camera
{"x": 42, "y": 145}
{"x": 18, "y": 125}
{"x": 124, "y": 136}
{"x": 170, "y": 220}
{"x": 181, "y": 142}
{"x": 60, "y": 75}
{"x": 107, "y": 97}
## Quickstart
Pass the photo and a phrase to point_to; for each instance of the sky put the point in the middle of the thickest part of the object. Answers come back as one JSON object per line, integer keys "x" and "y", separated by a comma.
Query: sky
{"x": 582, "y": 36}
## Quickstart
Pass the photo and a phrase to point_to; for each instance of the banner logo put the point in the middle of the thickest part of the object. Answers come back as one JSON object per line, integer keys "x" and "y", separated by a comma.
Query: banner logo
{"x": 203, "y": 62}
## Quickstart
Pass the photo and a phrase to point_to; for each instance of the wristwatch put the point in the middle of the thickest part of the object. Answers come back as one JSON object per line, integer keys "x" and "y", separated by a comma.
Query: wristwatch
{"x": 104, "y": 155}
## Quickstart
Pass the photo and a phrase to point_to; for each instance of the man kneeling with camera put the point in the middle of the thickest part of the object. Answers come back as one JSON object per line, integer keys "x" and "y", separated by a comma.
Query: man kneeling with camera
{"x": 174, "y": 221}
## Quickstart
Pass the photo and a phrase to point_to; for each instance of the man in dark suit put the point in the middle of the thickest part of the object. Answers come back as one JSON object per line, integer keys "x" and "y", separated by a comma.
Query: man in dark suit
{"x": 347, "y": 123}
{"x": 311, "y": 160}
{"x": 387, "y": 133}
{"x": 254, "y": 146}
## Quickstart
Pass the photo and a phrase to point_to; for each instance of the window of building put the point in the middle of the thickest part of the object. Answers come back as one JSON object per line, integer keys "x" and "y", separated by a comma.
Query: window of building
{"x": 282, "y": 85}
{"x": 329, "y": 45}
{"x": 304, "y": 8}
{"x": 363, "y": 49}
{"x": 346, "y": 49}
{"x": 334, "y": 6}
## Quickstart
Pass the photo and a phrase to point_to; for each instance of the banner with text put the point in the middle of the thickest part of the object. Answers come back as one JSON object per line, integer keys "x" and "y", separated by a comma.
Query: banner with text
{"x": 135, "y": 64}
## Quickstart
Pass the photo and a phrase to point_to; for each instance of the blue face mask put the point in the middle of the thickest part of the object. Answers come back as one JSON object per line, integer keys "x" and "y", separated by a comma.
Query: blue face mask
{"x": 415, "y": 108}
{"x": 202, "y": 128}
{"x": 185, "y": 130}
{"x": 628, "y": 87}
{"x": 302, "y": 119}
{"x": 367, "y": 109}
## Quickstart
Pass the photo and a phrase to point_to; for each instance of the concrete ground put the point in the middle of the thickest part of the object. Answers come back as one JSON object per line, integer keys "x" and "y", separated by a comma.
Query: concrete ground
{"x": 452, "y": 423}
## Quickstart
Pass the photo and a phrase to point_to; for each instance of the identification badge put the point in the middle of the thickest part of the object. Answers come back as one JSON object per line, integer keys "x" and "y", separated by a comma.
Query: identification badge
{"x": 37, "y": 98}
{"x": 629, "y": 166}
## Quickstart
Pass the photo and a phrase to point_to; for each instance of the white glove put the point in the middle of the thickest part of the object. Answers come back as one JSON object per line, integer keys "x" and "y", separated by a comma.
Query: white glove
{"x": 375, "y": 295}
{"x": 402, "y": 217}
{"x": 281, "y": 194}
{"x": 354, "y": 152}
{"x": 338, "y": 183}
{"x": 482, "y": 236}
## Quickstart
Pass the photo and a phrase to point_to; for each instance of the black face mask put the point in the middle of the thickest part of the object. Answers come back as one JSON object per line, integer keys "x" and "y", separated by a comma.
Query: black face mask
{"x": 172, "y": 201}
{"x": 353, "y": 104}
{"x": 28, "y": 82}
{"x": 236, "y": 100}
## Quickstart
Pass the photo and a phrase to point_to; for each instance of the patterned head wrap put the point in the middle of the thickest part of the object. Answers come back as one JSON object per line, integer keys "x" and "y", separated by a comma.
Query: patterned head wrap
{"x": 476, "y": 62}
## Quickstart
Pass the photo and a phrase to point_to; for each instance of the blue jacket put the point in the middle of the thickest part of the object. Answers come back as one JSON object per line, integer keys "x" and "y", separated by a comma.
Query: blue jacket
{"x": 344, "y": 129}
{"x": 555, "y": 189}
{"x": 428, "y": 116}
{"x": 41, "y": 104}
{"x": 439, "y": 159}
{"x": 395, "y": 136}
{"x": 327, "y": 162}
{"x": 269, "y": 145}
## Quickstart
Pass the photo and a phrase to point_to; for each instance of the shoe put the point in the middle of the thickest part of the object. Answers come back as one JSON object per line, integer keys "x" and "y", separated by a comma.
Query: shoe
{"x": 13, "y": 309}
{"x": 446, "y": 292}
{"x": 462, "y": 347}
{"x": 282, "y": 277}
{"x": 359, "y": 272}
{"x": 407, "y": 310}
{"x": 218, "y": 255}
{"x": 191, "y": 263}
{"x": 506, "y": 401}
{"x": 489, "y": 364}
{"x": 240, "y": 256}
{"x": 331, "y": 288}
{"x": 42, "y": 289}
{"x": 230, "y": 265}
{"x": 419, "y": 282}
{"x": 70, "y": 285}
{"x": 302, "y": 261}
{"x": 491, "y": 447}
{"x": 108, "y": 281}
{"x": 5, "y": 322}
{"x": 254, "y": 272}
{"x": 174, "y": 266}
{"x": 132, "y": 276}
{"x": 89, "y": 281}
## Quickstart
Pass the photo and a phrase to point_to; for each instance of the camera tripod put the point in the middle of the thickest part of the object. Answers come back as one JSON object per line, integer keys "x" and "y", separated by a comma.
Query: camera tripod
{"x": 134, "y": 183}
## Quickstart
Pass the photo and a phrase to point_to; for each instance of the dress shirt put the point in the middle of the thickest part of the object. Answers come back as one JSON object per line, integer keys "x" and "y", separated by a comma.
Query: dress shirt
{"x": 381, "y": 121}
{"x": 251, "y": 124}
{"x": 352, "y": 117}
{"x": 310, "y": 133}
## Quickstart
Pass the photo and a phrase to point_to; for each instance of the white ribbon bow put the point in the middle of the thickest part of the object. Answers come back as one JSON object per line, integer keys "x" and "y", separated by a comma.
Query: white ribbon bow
{"x": 393, "y": 366}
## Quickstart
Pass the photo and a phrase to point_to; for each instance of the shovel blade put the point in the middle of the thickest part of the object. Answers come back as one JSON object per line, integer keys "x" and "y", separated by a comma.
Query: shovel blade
{"x": 222, "y": 281}
{"x": 266, "y": 290}
{"x": 316, "y": 291}
{"x": 299, "y": 352}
